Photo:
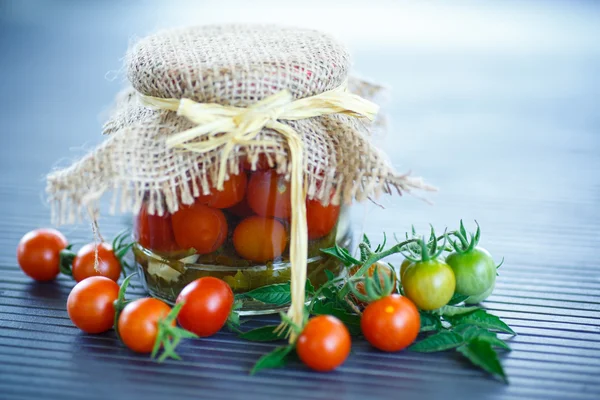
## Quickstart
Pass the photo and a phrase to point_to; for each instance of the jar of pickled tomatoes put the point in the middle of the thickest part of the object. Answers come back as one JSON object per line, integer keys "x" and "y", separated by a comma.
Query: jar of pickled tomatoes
{"x": 239, "y": 234}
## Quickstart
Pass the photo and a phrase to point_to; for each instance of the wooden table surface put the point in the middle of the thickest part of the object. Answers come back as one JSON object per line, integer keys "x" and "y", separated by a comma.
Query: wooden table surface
{"x": 510, "y": 134}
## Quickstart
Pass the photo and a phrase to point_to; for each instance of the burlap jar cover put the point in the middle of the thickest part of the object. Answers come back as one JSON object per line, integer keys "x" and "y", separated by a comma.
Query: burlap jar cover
{"x": 247, "y": 90}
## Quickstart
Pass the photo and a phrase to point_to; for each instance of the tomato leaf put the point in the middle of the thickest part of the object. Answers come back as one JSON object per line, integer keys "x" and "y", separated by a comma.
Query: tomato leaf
{"x": 275, "y": 359}
{"x": 330, "y": 275}
{"x": 352, "y": 321}
{"x": 439, "y": 342}
{"x": 277, "y": 294}
{"x": 482, "y": 319}
{"x": 309, "y": 288}
{"x": 430, "y": 322}
{"x": 341, "y": 254}
{"x": 451, "y": 311}
{"x": 470, "y": 332}
{"x": 481, "y": 354}
{"x": 457, "y": 298}
{"x": 263, "y": 334}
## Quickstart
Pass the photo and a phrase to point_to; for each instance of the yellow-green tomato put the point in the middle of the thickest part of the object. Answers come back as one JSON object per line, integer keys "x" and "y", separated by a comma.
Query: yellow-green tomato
{"x": 480, "y": 297}
{"x": 475, "y": 271}
{"x": 429, "y": 284}
{"x": 404, "y": 266}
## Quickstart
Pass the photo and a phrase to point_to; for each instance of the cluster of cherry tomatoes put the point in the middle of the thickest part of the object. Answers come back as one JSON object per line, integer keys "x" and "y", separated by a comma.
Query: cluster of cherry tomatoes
{"x": 253, "y": 210}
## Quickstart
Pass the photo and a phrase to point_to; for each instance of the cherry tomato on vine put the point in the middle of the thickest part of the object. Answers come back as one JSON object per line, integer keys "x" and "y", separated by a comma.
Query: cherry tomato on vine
{"x": 90, "y": 304}
{"x": 269, "y": 195}
{"x": 154, "y": 232}
{"x": 429, "y": 284}
{"x": 233, "y": 192}
{"x": 320, "y": 219}
{"x": 84, "y": 262}
{"x": 259, "y": 239}
{"x": 207, "y": 303}
{"x": 404, "y": 266}
{"x": 480, "y": 297}
{"x": 391, "y": 323}
{"x": 382, "y": 270}
{"x": 324, "y": 343}
{"x": 138, "y": 323}
{"x": 475, "y": 271}
{"x": 38, "y": 253}
{"x": 199, "y": 227}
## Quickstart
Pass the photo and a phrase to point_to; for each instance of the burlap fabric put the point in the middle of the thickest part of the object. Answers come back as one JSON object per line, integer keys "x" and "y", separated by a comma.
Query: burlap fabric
{"x": 233, "y": 65}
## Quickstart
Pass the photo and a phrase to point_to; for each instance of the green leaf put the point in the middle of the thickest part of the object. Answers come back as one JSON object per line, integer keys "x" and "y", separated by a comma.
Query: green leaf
{"x": 482, "y": 319}
{"x": 439, "y": 342}
{"x": 275, "y": 359}
{"x": 457, "y": 298}
{"x": 277, "y": 294}
{"x": 470, "y": 332}
{"x": 263, "y": 334}
{"x": 451, "y": 311}
{"x": 430, "y": 322}
{"x": 481, "y": 354}
{"x": 342, "y": 254}
{"x": 309, "y": 288}
{"x": 330, "y": 275}
{"x": 352, "y": 321}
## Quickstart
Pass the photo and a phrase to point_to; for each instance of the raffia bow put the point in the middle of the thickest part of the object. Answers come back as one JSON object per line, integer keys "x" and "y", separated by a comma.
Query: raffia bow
{"x": 224, "y": 128}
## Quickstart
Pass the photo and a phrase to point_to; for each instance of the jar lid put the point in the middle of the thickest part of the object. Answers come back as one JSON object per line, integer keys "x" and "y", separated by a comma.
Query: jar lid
{"x": 236, "y": 65}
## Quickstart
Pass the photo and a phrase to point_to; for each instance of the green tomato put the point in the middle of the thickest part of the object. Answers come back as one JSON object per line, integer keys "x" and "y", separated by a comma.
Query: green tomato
{"x": 475, "y": 271}
{"x": 479, "y": 298}
{"x": 429, "y": 284}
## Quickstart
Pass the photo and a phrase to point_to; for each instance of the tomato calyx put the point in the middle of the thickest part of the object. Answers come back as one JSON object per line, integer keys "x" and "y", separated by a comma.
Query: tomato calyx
{"x": 426, "y": 250}
{"x": 66, "y": 260}
{"x": 466, "y": 241}
{"x": 376, "y": 286}
{"x": 121, "y": 302}
{"x": 233, "y": 322}
{"x": 169, "y": 336}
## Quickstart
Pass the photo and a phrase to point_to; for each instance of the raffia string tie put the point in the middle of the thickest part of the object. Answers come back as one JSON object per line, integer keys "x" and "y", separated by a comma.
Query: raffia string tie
{"x": 224, "y": 128}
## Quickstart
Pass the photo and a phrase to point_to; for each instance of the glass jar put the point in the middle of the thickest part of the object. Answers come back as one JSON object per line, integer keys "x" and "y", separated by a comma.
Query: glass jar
{"x": 239, "y": 235}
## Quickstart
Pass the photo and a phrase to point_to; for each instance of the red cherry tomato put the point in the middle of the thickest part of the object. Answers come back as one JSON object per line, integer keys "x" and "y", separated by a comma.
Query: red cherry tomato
{"x": 138, "y": 323}
{"x": 324, "y": 343}
{"x": 199, "y": 227}
{"x": 207, "y": 304}
{"x": 84, "y": 262}
{"x": 233, "y": 192}
{"x": 90, "y": 304}
{"x": 269, "y": 195}
{"x": 260, "y": 239}
{"x": 38, "y": 253}
{"x": 391, "y": 323}
{"x": 320, "y": 219}
{"x": 154, "y": 232}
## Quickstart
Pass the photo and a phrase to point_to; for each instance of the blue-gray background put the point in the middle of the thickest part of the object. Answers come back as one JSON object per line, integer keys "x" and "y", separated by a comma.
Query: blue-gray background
{"x": 496, "y": 103}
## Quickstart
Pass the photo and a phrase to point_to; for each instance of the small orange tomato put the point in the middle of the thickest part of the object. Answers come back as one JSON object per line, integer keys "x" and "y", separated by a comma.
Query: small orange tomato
{"x": 233, "y": 192}
{"x": 260, "y": 239}
{"x": 199, "y": 227}
{"x": 320, "y": 219}
{"x": 269, "y": 195}
{"x": 85, "y": 260}
{"x": 138, "y": 323}
{"x": 324, "y": 343}
{"x": 154, "y": 232}
{"x": 90, "y": 304}
{"x": 391, "y": 323}
{"x": 382, "y": 269}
